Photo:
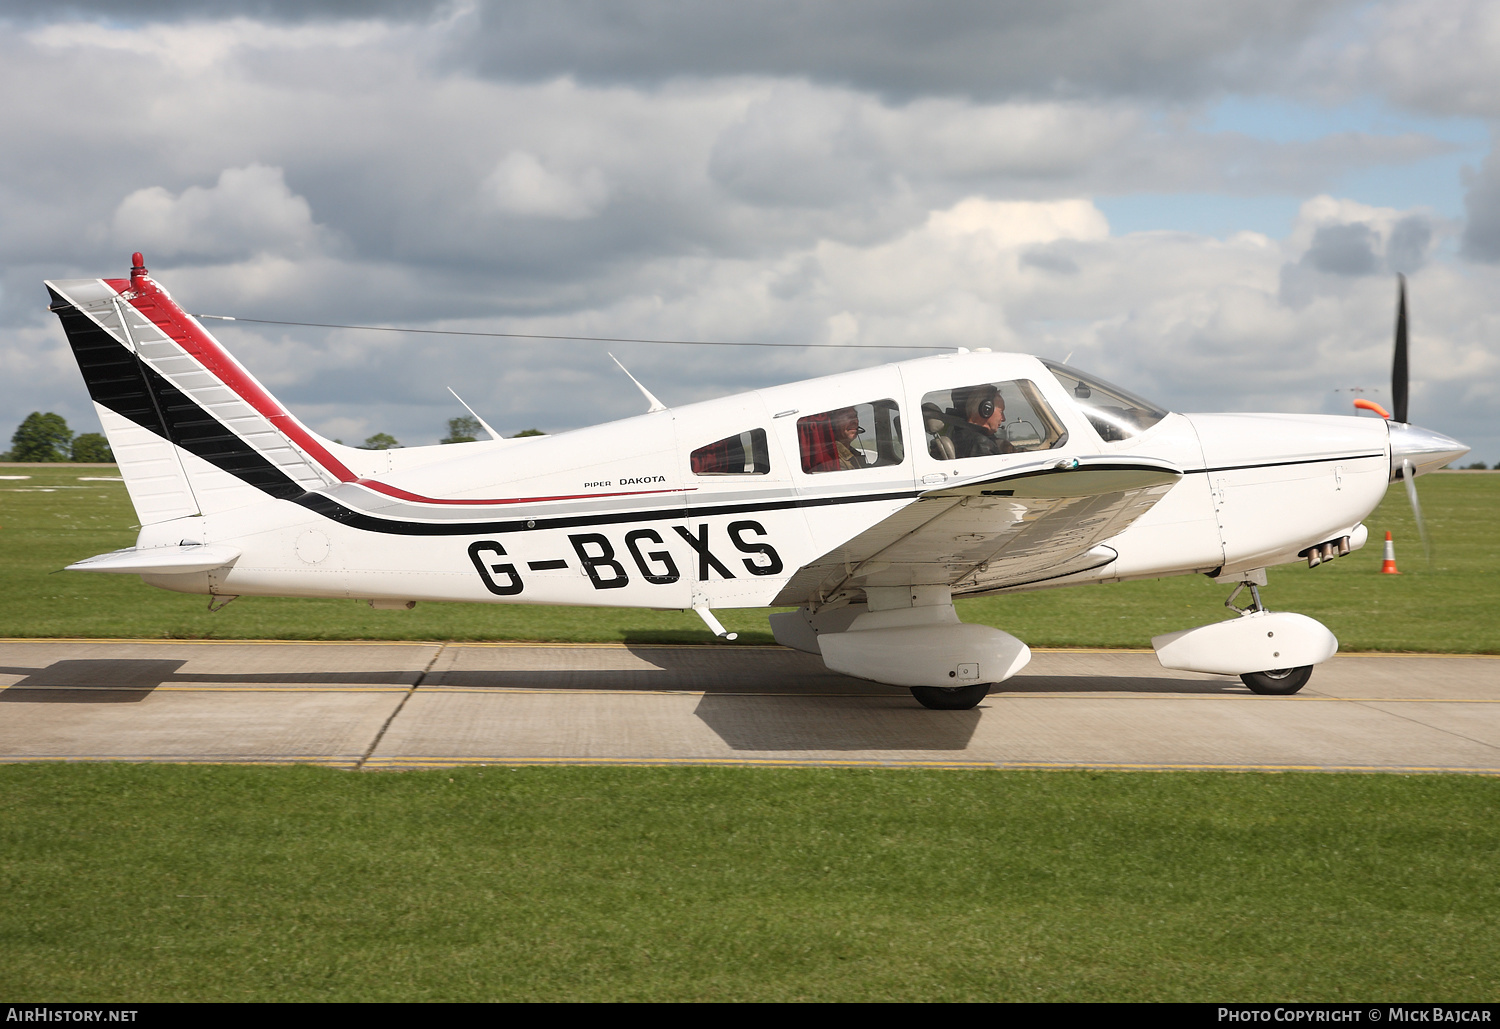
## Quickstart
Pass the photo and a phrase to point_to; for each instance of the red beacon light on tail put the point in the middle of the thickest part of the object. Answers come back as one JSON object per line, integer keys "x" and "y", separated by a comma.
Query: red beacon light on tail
{"x": 137, "y": 268}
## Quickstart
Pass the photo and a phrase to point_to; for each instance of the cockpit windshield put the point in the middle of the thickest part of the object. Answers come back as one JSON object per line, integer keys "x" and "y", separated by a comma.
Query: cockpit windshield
{"x": 1114, "y": 413}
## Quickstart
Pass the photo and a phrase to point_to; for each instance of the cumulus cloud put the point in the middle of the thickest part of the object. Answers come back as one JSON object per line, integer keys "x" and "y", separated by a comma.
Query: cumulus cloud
{"x": 522, "y": 186}
{"x": 249, "y": 210}
{"x": 1337, "y": 240}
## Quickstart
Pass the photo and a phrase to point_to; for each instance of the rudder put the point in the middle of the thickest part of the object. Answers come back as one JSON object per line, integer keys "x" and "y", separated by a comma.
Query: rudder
{"x": 193, "y": 431}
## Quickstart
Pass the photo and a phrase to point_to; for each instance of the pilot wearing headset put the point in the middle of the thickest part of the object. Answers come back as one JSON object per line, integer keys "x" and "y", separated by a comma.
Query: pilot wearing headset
{"x": 846, "y": 430}
{"x": 983, "y": 410}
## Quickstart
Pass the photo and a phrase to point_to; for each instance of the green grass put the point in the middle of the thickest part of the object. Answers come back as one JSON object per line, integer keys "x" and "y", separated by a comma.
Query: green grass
{"x": 1449, "y": 607}
{"x": 159, "y": 883}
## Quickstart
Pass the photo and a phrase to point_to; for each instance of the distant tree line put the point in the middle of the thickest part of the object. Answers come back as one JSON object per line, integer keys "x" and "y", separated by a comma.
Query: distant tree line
{"x": 464, "y": 429}
{"x": 47, "y": 438}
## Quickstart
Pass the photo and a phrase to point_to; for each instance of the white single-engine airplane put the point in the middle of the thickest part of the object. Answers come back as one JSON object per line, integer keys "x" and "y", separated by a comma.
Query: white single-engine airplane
{"x": 867, "y": 500}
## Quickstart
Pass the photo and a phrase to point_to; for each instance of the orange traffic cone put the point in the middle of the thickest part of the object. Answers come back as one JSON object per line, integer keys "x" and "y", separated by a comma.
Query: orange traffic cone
{"x": 1388, "y": 561}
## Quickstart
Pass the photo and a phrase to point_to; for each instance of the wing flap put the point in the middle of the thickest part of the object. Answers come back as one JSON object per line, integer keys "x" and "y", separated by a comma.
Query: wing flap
{"x": 1031, "y": 523}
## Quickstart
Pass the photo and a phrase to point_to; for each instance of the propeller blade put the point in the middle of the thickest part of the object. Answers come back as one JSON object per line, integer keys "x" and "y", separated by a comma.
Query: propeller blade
{"x": 1409, "y": 476}
{"x": 1399, "y": 376}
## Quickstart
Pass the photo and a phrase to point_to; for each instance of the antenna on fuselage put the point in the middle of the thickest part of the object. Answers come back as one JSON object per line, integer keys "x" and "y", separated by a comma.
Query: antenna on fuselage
{"x": 482, "y": 423}
{"x": 656, "y": 405}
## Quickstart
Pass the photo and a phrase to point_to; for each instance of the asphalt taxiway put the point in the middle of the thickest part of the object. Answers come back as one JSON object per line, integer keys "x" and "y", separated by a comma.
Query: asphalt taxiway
{"x": 425, "y": 705}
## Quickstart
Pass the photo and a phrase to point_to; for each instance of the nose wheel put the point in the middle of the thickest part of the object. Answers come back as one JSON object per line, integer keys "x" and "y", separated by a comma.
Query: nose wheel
{"x": 950, "y": 698}
{"x": 1279, "y": 682}
{"x": 1276, "y": 682}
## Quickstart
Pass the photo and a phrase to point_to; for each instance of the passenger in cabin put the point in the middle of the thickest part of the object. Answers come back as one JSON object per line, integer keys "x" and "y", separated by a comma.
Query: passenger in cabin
{"x": 846, "y": 429}
{"x": 982, "y": 409}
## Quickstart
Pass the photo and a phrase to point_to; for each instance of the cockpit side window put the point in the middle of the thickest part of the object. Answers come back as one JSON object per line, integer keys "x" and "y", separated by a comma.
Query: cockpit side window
{"x": 989, "y": 418}
{"x": 1114, "y": 413}
{"x": 858, "y": 436}
{"x": 743, "y": 454}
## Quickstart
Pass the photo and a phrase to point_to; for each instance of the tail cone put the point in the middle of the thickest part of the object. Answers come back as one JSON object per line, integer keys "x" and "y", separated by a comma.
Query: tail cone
{"x": 1388, "y": 560}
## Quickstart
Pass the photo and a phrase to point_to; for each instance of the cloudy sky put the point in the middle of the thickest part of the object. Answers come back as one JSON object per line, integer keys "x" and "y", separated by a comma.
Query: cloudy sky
{"x": 1205, "y": 202}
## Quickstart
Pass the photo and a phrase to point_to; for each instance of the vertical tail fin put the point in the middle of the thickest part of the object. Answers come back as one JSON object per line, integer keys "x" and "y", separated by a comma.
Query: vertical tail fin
{"x": 193, "y": 431}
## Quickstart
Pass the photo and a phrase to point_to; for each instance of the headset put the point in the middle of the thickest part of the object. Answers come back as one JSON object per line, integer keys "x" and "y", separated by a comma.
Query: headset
{"x": 983, "y": 408}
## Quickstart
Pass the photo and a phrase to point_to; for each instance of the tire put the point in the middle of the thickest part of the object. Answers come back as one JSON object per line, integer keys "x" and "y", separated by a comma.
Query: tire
{"x": 950, "y": 698}
{"x": 1279, "y": 682}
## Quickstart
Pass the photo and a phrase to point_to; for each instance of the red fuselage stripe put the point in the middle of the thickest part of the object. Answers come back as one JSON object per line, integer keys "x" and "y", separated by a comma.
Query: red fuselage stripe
{"x": 401, "y": 494}
{"x": 174, "y": 322}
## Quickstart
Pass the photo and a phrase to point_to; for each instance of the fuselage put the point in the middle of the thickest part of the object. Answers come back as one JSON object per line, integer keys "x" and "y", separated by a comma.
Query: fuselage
{"x": 719, "y": 503}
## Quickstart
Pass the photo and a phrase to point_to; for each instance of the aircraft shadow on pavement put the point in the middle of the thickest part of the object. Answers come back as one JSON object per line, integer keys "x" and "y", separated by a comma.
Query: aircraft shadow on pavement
{"x": 1119, "y": 684}
{"x": 757, "y": 670}
{"x": 835, "y": 724}
{"x": 96, "y": 681}
{"x": 127, "y": 681}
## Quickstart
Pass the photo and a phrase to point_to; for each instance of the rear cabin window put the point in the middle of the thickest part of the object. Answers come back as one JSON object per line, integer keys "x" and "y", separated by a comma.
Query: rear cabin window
{"x": 858, "y": 436}
{"x": 989, "y": 418}
{"x": 744, "y": 454}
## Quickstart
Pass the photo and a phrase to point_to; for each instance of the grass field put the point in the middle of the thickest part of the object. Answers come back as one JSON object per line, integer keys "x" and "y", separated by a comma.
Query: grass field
{"x": 1450, "y": 607}
{"x": 154, "y": 883}
{"x": 160, "y": 883}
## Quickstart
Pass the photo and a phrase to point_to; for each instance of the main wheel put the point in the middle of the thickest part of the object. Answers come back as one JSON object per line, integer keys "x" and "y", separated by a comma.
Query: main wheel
{"x": 1279, "y": 682}
{"x": 950, "y": 698}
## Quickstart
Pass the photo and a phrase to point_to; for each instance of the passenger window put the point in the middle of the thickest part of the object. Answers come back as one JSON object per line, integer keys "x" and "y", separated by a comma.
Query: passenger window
{"x": 857, "y": 436}
{"x": 989, "y": 418}
{"x": 745, "y": 454}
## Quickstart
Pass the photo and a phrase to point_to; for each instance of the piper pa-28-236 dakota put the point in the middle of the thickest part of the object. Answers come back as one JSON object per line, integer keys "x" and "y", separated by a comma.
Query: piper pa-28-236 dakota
{"x": 866, "y": 500}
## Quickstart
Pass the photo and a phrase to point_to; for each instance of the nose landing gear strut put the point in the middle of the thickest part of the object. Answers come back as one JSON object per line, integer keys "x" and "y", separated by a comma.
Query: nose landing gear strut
{"x": 1271, "y": 652}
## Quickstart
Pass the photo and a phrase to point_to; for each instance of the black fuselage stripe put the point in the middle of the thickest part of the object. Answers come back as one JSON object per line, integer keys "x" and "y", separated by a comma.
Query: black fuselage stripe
{"x": 329, "y": 508}
{"x": 1281, "y": 464}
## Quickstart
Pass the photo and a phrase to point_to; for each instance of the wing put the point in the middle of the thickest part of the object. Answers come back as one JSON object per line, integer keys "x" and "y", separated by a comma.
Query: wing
{"x": 1035, "y": 522}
